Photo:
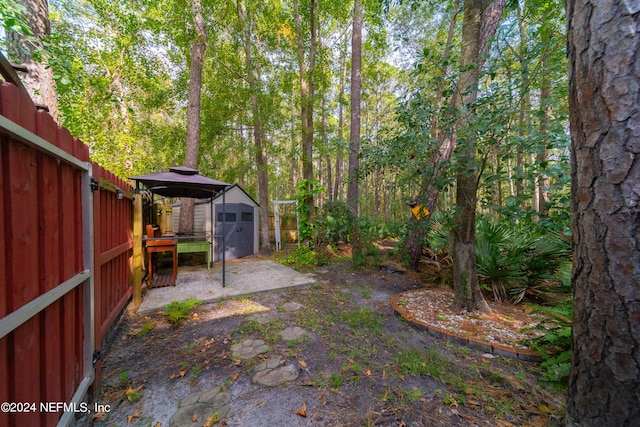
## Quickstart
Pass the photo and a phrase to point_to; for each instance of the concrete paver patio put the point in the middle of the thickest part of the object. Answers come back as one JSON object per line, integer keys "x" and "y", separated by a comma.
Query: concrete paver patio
{"x": 246, "y": 276}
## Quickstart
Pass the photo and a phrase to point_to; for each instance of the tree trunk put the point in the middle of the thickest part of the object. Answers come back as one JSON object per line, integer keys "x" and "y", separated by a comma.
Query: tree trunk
{"x": 603, "y": 50}
{"x": 430, "y": 190}
{"x": 258, "y": 134}
{"x": 306, "y": 95}
{"x": 465, "y": 278}
{"x": 198, "y": 47}
{"x": 338, "y": 187}
{"x": 325, "y": 142}
{"x": 354, "y": 135}
{"x": 38, "y": 79}
{"x": 428, "y": 195}
{"x": 543, "y": 156}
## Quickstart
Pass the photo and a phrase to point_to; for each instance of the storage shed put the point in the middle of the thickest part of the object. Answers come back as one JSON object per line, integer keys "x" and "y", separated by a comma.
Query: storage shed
{"x": 241, "y": 223}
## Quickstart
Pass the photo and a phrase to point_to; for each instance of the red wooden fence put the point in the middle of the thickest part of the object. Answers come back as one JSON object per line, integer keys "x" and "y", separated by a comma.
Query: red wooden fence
{"x": 47, "y": 290}
{"x": 112, "y": 213}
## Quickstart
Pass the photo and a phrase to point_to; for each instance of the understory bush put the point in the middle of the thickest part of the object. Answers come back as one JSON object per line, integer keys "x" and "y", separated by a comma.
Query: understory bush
{"x": 555, "y": 345}
{"x": 302, "y": 256}
{"x": 179, "y": 310}
{"x": 512, "y": 261}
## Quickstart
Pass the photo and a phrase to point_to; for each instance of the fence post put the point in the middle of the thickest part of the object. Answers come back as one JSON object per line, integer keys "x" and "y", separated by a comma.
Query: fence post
{"x": 137, "y": 250}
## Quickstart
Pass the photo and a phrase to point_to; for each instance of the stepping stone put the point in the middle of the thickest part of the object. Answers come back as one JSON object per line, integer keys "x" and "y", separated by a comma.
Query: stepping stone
{"x": 262, "y": 318}
{"x": 292, "y": 333}
{"x": 273, "y": 372}
{"x": 201, "y": 405}
{"x": 292, "y": 306}
{"x": 247, "y": 349}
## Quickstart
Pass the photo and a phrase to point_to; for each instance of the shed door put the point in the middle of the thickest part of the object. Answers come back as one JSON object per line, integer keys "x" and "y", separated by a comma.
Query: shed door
{"x": 238, "y": 231}
{"x": 244, "y": 229}
{"x": 230, "y": 224}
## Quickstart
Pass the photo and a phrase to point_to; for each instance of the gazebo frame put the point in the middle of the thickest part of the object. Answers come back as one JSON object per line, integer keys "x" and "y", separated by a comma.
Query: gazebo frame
{"x": 180, "y": 181}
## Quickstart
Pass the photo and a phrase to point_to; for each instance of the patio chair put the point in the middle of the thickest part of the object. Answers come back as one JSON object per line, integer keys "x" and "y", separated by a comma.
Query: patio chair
{"x": 159, "y": 246}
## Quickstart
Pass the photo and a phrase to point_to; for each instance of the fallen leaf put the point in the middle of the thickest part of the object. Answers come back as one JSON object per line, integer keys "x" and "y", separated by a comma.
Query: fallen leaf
{"x": 132, "y": 393}
{"x": 172, "y": 376}
{"x": 158, "y": 424}
{"x": 472, "y": 403}
{"x": 302, "y": 363}
{"x": 237, "y": 362}
{"x": 234, "y": 377}
{"x": 302, "y": 411}
{"x": 182, "y": 373}
{"x": 133, "y": 417}
{"x": 212, "y": 420}
{"x": 368, "y": 373}
{"x": 194, "y": 418}
{"x": 195, "y": 316}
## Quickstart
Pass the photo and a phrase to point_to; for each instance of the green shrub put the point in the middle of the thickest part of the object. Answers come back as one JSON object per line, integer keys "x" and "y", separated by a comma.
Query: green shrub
{"x": 302, "y": 256}
{"x": 336, "y": 220}
{"x": 555, "y": 345}
{"x": 179, "y": 310}
{"x": 513, "y": 260}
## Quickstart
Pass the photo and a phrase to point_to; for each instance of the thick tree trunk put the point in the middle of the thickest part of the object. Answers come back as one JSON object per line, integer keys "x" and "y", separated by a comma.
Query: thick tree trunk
{"x": 430, "y": 190}
{"x": 603, "y": 50}
{"x": 465, "y": 278}
{"x": 338, "y": 187}
{"x": 38, "y": 79}
{"x": 198, "y": 47}
{"x": 306, "y": 95}
{"x": 258, "y": 134}
{"x": 354, "y": 137}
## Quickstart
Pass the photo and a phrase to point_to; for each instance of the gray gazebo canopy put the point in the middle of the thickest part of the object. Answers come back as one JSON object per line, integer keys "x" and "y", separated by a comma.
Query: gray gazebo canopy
{"x": 182, "y": 181}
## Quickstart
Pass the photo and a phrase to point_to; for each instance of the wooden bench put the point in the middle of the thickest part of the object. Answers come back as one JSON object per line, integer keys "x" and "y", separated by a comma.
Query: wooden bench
{"x": 191, "y": 247}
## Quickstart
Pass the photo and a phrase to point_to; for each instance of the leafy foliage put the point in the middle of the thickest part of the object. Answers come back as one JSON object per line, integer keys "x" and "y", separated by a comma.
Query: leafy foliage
{"x": 302, "y": 257}
{"x": 177, "y": 311}
{"x": 336, "y": 220}
{"x": 306, "y": 188}
{"x": 513, "y": 261}
{"x": 555, "y": 345}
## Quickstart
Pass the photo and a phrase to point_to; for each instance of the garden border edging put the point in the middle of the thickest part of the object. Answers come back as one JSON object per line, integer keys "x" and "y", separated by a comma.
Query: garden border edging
{"x": 495, "y": 349}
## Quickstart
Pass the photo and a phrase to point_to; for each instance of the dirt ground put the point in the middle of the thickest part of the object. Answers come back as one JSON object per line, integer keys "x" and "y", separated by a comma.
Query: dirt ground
{"x": 359, "y": 364}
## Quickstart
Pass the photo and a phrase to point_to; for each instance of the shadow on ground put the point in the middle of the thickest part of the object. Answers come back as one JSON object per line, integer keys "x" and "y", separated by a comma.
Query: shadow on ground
{"x": 331, "y": 353}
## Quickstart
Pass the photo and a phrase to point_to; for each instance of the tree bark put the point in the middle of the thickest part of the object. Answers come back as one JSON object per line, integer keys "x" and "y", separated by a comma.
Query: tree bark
{"x": 603, "y": 50}
{"x": 198, "y": 47}
{"x": 306, "y": 95}
{"x": 430, "y": 189}
{"x": 354, "y": 135}
{"x": 258, "y": 133}
{"x": 467, "y": 294}
{"x": 543, "y": 156}
{"x": 338, "y": 186}
{"x": 38, "y": 80}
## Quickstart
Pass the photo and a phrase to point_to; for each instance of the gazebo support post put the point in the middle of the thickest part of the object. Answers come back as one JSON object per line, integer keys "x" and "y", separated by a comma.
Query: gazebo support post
{"x": 224, "y": 235}
{"x": 137, "y": 248}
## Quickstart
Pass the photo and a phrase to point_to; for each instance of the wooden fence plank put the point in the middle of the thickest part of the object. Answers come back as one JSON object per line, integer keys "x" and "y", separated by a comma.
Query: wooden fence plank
{"x": 23, "y": 236}
{"x": 4, "y": 280}
{"x": 49, "y": 213}
{"x": 41, "y": 246}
